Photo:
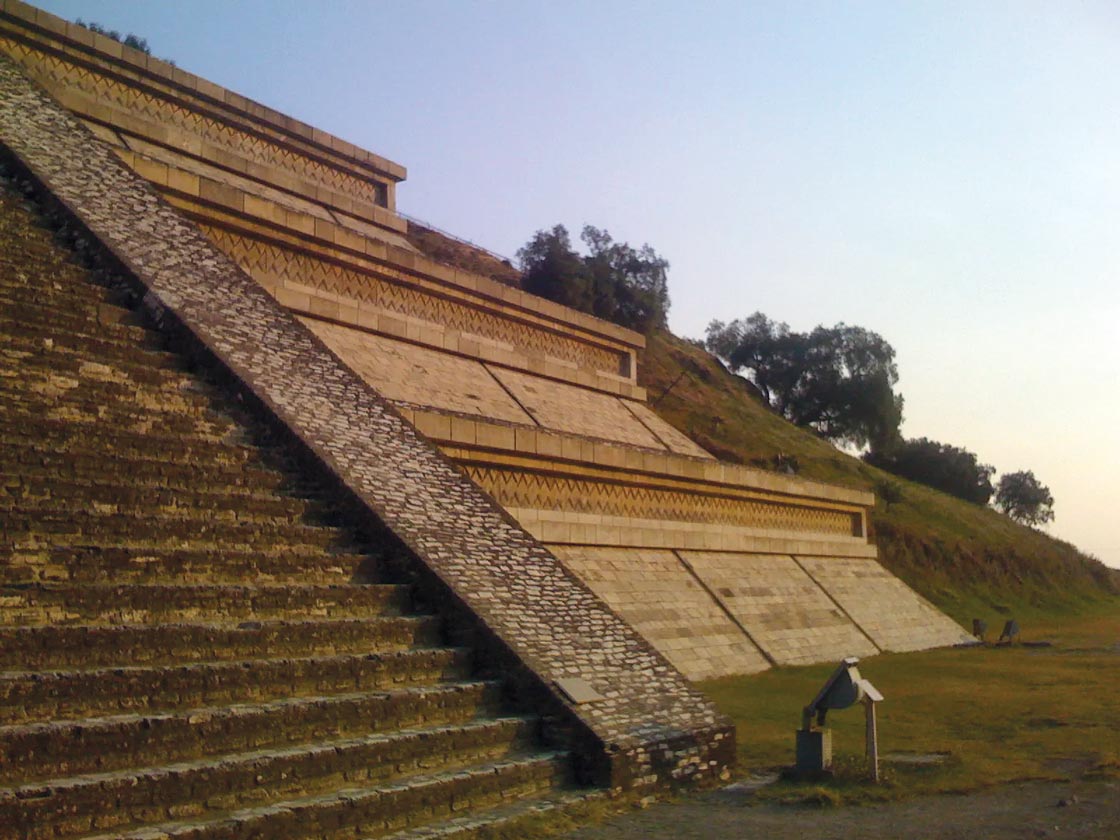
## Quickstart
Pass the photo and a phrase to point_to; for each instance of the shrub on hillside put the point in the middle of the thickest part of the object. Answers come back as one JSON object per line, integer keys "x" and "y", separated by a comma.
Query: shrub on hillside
{"x": 939, "y": 465}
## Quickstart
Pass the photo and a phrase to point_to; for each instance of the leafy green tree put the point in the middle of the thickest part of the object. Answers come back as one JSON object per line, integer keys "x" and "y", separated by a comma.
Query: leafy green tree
{"x": 614, "y": 281}
{"x": 1024, "y": 498}
{"x": 837, "y": 380}
{"x": 551, "y": 268}
{"x": 939, "y": 465}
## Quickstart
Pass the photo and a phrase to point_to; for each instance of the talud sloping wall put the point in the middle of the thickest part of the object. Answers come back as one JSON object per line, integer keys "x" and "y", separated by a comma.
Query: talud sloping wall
{"x": 537, "y": 403}
{"x": 650, "y": 724}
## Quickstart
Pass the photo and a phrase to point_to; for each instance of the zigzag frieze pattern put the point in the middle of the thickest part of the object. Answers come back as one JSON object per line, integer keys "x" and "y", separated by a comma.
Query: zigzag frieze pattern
{"x": 264, "y": 260}
{"x": 514, "y": 489}
{"x": 55, "y": 72}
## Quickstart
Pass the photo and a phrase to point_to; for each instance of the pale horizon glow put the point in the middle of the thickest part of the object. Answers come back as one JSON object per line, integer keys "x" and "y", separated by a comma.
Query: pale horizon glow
{"x": 942, "y": 173}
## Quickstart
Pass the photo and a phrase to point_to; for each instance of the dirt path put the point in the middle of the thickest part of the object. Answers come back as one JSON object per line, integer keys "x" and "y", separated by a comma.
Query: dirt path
{"x": 1013, "y": 812}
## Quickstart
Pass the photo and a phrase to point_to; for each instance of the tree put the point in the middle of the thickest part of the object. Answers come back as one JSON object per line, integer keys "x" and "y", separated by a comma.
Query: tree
{"x": 551, "y": 268}
{"x": 939, "y": 465}
{"x": 129, "y": 40}
{"x": 1024, "y": 498}
{"x": 614, "y": 281}
{"x": 837, "y": 380}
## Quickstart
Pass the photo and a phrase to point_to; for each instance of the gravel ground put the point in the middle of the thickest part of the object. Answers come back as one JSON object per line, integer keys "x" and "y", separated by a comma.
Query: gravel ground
{"x": 1028, "y": 810}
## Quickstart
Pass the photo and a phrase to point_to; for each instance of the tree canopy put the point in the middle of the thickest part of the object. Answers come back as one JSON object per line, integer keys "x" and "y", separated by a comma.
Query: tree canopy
{"x": 837, "y": 380}
{"x": 614, "y": 281}
{"x": 939, "y": 465}
{"x": 1024, "y": 498}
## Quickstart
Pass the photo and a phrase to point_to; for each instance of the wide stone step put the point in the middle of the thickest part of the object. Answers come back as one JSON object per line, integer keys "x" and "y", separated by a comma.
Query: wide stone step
{"x": 149, "y": 443}
{"x": 115, "y": 603}
{"x": 57, "y": 358}
{"x": 36, "y": 274}
{"x": 78, "y": 299}
{"x": 522, "y": 818}
{"x": 42, "y": 696}
{"x": 33, "y": 240}
{"x": 375, "y": 811}
{"x": 107, "y": 377}
{"x": 195, "y": 789}
{"x": 100, "y": 421}
{"x": 29, "y": 319}
{"x": 67, "y": 300}
{"x": 49, "y": 392}
{"x": 45, "y": 647}
{"x": 95, "y": 310}
{"x": 35, "y": 265}
{"x": 25, "y": 526}
{"x": 24, "y": 464}
{"x": 192, "y": 565}
{"x": 54, "y": 494}
{"x": 36, "y": 347}
{"x": 39, "y": 751}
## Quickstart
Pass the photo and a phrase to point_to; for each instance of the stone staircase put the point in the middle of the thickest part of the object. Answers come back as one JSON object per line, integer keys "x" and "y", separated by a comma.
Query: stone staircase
{"x": 187, "y": 647}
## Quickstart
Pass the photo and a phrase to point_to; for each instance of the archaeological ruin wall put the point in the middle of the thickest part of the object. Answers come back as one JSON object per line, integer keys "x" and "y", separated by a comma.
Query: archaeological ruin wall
{"x": 724, "y": 569}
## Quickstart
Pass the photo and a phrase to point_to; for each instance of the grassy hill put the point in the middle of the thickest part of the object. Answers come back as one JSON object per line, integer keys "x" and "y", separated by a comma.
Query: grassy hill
{"x": 969, "y": 560}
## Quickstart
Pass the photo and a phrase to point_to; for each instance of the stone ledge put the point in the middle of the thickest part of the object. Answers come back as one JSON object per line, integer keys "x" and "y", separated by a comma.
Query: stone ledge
{"x": 540, "y": 448}
{"x": 379, "y": 258}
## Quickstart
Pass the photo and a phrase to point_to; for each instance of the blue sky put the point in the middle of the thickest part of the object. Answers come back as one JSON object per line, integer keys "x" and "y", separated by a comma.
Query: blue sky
{"x": 943, "y": 173}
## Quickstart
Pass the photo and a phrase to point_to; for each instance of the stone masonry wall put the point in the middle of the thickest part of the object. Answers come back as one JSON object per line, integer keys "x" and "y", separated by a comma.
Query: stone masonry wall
{"x": 651, "y": 725}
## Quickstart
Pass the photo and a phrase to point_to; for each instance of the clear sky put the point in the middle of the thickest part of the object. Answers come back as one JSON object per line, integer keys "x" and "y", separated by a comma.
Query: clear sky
{"x": 947, "y": 174}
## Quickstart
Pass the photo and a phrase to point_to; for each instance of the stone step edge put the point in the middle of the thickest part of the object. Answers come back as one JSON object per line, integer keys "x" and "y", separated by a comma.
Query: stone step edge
{"x": 234, "y": 711}
{"x": 346, "y": 797}
{"x": 34, "y": 790}
{"x": 261, "y": 626}
{"x": 151, "y": 382}
{"x": 28, "y": 316}
{"x": 13, "y": 676}
{"x": 244, "y": 589}
{"x": 29, "y": 455}
{"x": 93, "y": 348}
{"x": 50, "y": 494}
{"x": 71, "y": 435}
{"x": 124, "y": 518}
{"x": 133, "y": 482}
{"x": 21, "y": 602}
{"x": 216, "y": 556}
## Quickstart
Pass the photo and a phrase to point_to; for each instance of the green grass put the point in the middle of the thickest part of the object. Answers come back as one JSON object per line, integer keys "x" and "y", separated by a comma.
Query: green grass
{"x": 1000, "y": 714}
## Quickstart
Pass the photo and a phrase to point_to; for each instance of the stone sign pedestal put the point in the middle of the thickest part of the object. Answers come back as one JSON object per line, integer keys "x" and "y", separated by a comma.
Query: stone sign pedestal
{"x": 814, "y": 751}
